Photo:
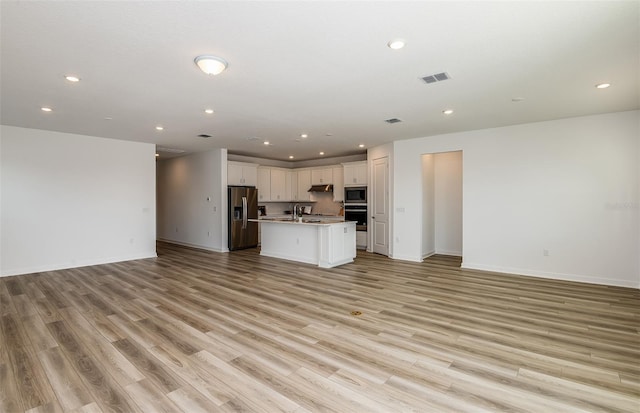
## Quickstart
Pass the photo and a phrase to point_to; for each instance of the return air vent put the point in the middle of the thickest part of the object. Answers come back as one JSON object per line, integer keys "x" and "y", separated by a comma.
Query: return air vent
{"x": 438, "y": 77}
{"x": 393, "y": 120}
{"x": 169, "y": 150}
{"x": 204, "y": 135}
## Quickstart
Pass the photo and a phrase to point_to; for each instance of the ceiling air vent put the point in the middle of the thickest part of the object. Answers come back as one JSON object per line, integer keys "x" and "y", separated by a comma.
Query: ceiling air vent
{"x": 438, "y": 77}
{"x": 204, "y": 135}
{"x": 393, "y": 120}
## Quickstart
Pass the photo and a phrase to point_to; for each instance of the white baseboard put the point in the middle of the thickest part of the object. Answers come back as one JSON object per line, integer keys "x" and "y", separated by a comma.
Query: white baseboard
{"x": 551, "y": 275}
{"x": 406, "y": 258}
{"x": 188, "y": 244}
{"x": 78, "y": 264}
{"x": 449, "y": 252}
{"x": 428, "y": 254}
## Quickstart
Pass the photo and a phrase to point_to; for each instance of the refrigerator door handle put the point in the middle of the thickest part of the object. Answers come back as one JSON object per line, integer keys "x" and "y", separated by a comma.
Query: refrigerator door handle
{"x": 245, "y": 212}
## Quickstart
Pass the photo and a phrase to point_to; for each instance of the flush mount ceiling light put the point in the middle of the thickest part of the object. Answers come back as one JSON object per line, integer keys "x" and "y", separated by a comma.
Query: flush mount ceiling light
{"x": 211, "y": 65}
{"x": 396, "y": 44}
{"x": 321, "y": 153}
{"x": 290, "y": 156}
{"x": 603, "y": 85}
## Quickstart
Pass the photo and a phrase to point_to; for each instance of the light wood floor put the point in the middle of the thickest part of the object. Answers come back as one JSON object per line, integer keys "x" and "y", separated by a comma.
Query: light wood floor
{"x": 194, "y": 331}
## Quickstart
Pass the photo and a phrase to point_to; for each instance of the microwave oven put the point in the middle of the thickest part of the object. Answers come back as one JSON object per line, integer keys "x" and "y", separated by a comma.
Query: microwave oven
{"x": 355, "y": 195}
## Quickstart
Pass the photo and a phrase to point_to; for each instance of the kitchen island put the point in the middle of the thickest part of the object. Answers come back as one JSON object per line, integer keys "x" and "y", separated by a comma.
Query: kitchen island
{"x": 324, "y": 243}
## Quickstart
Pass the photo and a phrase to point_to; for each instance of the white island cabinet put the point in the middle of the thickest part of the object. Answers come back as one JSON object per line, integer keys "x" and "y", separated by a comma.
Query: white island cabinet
{"x": 325, "y": 244}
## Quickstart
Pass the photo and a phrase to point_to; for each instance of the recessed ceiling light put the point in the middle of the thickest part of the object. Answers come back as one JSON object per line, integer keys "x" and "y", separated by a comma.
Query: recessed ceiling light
{"x": 396, "y": 44}
{"x": 447, "y": 111}
{"x": 304, "y": 135}
{"x": 603, "y": 85}
{"x": 72, "y": 78}
{"x": 266, "y": 142}
{"x": 321, "y": 153}
{"x": 46, "y": 109}
{"x": 159, "y": 127}
{"x": 157, "y": 155}
{"x": 290, "y": 156}
{"x": 208, "y": 111}
{"x": 361, "y": 145}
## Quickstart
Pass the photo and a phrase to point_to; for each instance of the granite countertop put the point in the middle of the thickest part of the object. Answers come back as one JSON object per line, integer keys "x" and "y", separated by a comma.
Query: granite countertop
{"x": 305, "y": 221}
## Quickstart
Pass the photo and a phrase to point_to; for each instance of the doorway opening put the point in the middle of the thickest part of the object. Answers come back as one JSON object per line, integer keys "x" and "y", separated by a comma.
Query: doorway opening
{"x": 442, "y": 206}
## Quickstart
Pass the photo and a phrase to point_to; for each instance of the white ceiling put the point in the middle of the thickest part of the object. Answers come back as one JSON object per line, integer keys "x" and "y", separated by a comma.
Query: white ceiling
{"x": 321, "y": 68}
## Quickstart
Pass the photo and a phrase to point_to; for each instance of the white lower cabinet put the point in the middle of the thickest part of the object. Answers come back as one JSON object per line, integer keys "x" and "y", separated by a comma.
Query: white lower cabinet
{"x": 324, "y": 245}
{"x": 361, "y": 240}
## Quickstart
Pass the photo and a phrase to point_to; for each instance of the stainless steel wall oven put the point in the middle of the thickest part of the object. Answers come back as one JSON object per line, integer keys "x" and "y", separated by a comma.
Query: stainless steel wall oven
{"x": 358, "y": 213}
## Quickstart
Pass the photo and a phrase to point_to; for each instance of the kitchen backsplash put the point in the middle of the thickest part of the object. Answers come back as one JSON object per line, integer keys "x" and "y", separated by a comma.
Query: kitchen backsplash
{"x": 323, "y": 205}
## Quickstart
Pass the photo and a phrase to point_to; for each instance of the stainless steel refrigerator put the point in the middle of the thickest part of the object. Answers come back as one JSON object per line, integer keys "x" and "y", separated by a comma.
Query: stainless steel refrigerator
{"x": 243, "y": 206}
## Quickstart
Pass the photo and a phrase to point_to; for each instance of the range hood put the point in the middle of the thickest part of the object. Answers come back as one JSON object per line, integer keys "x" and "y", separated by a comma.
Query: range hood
{"x": 321, "y": 188}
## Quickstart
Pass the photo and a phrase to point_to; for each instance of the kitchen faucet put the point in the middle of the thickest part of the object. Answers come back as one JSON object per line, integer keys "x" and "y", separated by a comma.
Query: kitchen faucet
{"x": 295, "y": 211}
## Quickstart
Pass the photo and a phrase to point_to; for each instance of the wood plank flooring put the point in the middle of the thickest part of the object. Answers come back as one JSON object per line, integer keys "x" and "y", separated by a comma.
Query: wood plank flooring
{"x": 196, "y": 331}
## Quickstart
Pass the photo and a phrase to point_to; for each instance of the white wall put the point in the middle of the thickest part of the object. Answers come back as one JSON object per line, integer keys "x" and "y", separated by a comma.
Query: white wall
{"x": 447, "y": 197}
{"x": 568, "y": 186}
{"x": 73, "y": 200}
{"x": 192, "y": 200}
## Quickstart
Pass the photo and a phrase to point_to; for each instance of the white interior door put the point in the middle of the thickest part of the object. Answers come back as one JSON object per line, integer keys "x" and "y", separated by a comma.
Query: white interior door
{"x": 380, "y": 206}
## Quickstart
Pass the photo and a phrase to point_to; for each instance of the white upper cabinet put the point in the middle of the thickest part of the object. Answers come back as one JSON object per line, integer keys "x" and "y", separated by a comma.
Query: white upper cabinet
{"x": 279, "y": 186}
{"x": 304, "y": 183}
{"x": 338, "y": 183}
{"x": 322, "y": 176}
{"x": 264, "y": 184}
{"x": 291, "y": 185}
{"x": 240, "y": 173}
{"x": 355, "y": 173}
{"x": 275, "y": 184}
